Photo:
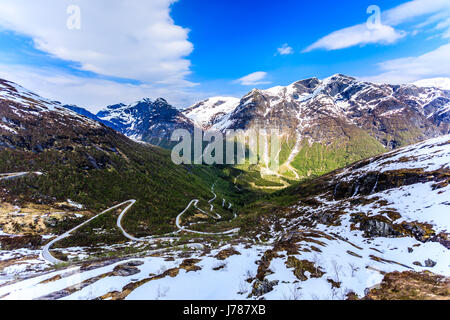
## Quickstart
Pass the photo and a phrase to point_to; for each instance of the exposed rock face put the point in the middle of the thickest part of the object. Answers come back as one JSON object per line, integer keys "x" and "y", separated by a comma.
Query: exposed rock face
{"x": 430, "y": 263}
{"x": 127, "y": 269}
{"x": 262, "y": 287}
{"x": 226, "y": 253}
{"x": 376, "y": 228}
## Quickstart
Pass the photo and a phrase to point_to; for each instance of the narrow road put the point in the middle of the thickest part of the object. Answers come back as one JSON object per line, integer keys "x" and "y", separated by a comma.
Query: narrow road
{"x": 9, "y": 176}
{"x": 46, "y": 255}
{"x": 181, "y": 228}
{"x": 214, "y": 198}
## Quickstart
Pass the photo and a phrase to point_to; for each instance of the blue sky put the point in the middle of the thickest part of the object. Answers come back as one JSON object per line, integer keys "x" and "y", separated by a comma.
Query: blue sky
{"x": 192, "y": 49}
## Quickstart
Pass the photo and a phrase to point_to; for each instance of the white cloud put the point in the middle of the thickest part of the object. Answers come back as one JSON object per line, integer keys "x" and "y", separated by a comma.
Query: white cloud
{"x": 128, "y": 39}
{"x": 285, "y": 50}
{"x": 357, "y": 35}
{"x": 405, "y": 70}
{"x": 413, "y": 9}
{"x": 92, "y": 93}
{"x": 385, "y": 33}
{"x": 253, "y": 79}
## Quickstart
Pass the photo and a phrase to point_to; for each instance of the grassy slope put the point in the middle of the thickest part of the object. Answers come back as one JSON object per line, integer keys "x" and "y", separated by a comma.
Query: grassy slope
{"x": 318, "y": 159}
{"x": 137, "y": 171}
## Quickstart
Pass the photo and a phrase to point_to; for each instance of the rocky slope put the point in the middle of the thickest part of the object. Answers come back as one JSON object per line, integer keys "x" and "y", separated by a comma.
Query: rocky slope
{"x": 410, "y": 285}
{"x": 330, "y": 123}
{"x": 346, "y": 230}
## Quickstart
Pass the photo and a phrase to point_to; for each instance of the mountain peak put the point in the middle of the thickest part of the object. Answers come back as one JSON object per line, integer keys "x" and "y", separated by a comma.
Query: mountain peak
{"x": 339, "y": 77}
{"x": 162, "y": 101}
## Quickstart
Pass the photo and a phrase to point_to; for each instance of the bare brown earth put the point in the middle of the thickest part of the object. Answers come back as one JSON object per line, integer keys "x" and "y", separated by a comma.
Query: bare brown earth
{"x": 411, "y": 285}
{"x": 35, "y": 219}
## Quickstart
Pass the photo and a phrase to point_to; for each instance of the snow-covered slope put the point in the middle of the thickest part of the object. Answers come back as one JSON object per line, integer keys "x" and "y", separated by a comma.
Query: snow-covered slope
{"x": 13, "y": 92}
{"x": 212, "y": 113}
{"x": 27, "y": 119}
{"x": 441, "y": 83}
{"x": 25, "y": 103}
{"x": 341, "y": 235}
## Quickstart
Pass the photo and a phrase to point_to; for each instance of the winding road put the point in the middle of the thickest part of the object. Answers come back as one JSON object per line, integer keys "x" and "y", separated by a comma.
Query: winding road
{"x": 181, "y": 228}
{"x": 47, "y": 256}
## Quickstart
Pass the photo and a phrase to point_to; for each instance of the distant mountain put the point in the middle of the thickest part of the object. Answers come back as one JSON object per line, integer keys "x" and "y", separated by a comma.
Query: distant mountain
{"x": 330, "y": 123}
{"x": 324, "y": 124}
{"x": 304, "y": 104}
{"x": 440, "y": 83}
{"x": 83, "y": 112}
{"x": 213, "y": 113}
{"x": 145, "y": 120}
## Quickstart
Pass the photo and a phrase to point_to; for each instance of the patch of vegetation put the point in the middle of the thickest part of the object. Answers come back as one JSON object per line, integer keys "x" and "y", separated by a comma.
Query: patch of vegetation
{"x": 318, "y": 159}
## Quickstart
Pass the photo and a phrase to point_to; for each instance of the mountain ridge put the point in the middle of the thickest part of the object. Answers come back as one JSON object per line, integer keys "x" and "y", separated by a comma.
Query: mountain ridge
{"x": 323, "y": 124}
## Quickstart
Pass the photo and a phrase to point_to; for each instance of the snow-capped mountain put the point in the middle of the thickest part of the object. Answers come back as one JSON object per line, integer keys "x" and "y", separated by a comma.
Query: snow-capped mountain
{"x": 320, "y": 117}
{"x": 440, "y": 83}
{"x": 145, "y": 120}
{"x": 31, "y": 122}
{"x": 310, "y": 110}
{"x": 339, "y": 119}
{"x": 24, "y": 102}
{"x": 304, "y": 105}
{"x": 212, "y": 114}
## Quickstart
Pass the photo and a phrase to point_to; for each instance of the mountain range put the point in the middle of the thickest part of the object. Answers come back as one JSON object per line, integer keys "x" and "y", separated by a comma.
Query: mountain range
{"x": 324, "y": 124}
